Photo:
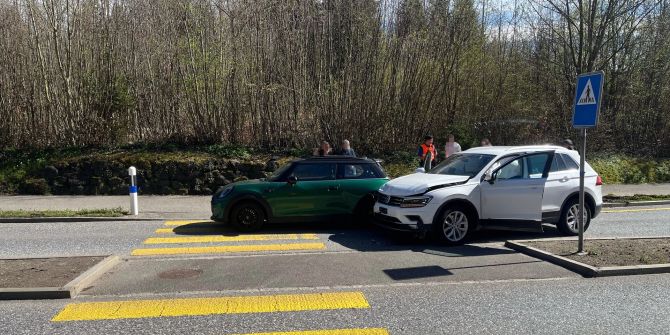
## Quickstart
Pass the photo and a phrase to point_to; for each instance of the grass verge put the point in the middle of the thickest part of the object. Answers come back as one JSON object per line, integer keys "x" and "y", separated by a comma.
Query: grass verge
{"x": 102, "y": 212}
{"x": 637, "y": 197}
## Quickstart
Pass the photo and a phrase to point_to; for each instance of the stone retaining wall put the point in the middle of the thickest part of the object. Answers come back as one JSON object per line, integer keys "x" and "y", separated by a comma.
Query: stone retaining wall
{"x": 97, "y": 177}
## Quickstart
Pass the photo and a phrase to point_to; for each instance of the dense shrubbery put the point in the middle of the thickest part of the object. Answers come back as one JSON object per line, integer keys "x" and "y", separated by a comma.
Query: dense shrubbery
{"x": 627, "y": 170}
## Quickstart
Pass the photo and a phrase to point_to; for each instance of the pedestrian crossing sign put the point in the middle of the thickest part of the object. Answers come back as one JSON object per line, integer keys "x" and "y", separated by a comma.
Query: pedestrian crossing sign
{"x": 588, "y": 98}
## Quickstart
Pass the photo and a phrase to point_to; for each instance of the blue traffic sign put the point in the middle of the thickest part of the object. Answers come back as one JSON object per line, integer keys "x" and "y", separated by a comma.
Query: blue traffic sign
{"x": 588, "y": 98}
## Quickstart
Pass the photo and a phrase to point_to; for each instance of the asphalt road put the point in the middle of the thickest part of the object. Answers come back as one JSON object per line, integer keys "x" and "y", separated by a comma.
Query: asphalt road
{"x": 99, "y": 238}
{"x": 622, "y": 305}
{"x": 403, "y": 286}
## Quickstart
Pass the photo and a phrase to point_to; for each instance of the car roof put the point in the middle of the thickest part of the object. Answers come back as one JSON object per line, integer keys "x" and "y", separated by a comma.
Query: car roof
{"x": 501, "y": 150}
{"x": 334, "y": 159}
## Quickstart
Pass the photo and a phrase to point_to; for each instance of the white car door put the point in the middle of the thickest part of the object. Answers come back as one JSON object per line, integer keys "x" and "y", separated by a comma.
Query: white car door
{"x": 562, "y": 180}
{"x": 512, "y": 198}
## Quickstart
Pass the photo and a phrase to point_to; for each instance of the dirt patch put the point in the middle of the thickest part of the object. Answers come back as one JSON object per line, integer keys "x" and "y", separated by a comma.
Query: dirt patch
{"x": 619, "y": 252}
{"x": 43, "y": 272}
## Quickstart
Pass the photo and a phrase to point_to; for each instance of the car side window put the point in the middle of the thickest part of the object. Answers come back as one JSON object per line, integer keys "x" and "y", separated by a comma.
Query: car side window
{"x": 535, "y": 165}
{"x": 570, "y": 163}
{"x": 557, "y": 164}
{"x": 501, "y": 162}
{"x": 359, "y": 171}
{"x": 318, "y": 171}
{"x": 526, "y": 167}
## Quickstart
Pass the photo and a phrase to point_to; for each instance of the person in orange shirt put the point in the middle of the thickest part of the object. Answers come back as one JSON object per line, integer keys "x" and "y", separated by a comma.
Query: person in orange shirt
{"x": 425, "y": 149}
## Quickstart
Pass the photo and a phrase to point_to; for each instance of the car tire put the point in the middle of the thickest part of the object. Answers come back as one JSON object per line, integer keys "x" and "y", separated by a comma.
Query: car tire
{"x": 455, "y": 225}
{"x": 248, "y": 217}
{"x": 568, "y": 224}
{"x": 364, "y": 211}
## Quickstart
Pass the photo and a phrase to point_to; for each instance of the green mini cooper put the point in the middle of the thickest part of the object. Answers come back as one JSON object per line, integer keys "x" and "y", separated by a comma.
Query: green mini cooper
{"x": 308, "y": 189}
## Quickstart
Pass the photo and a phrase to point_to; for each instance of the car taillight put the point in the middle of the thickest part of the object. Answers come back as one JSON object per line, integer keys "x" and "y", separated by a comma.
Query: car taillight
{"x": 599, "y": 181}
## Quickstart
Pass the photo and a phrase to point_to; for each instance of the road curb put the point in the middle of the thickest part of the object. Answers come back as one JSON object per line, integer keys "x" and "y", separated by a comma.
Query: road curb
{"x": 68, "y": 291}
{"x": 636, "y": 203}
{"x": 74, "y": 219}
{"x": 34, "y": 293}
{"x": 585, "y": 269}
{"x": 89, "y": 276}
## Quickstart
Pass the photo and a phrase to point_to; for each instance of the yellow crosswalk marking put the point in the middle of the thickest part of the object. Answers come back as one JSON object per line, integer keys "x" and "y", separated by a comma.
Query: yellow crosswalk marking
{"x": 357, "y": 331}
{"x": 238, "y": 238}
{"x": 191, "y": 230}
{"x": 228, "y": 249}
{"x": 134, "y": 309}
{"x": 636, "y": 210}
{"x": 185, "y": 222}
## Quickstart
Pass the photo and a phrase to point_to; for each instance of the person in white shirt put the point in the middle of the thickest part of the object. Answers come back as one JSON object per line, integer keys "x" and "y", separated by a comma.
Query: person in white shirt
{"x": 451, "y": 147}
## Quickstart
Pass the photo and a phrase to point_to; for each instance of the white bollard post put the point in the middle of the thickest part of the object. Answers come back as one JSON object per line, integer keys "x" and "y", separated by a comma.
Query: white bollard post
{"x": 134, "y": 209}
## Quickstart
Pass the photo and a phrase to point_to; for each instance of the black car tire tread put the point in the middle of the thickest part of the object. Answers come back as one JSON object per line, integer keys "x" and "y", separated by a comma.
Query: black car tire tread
{"x": 256, "y": 225}
{"x": 562, "y": 224}
{"x": 438, "y": 226}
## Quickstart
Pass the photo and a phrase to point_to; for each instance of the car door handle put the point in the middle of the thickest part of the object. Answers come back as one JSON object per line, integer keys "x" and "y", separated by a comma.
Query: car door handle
{"x": 333, "y": 188}
{"x": 564, "y": 179}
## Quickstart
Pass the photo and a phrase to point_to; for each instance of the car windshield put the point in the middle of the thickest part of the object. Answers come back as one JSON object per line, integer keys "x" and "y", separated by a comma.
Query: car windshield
{"x": 279, "y": 172}
{"x": 462, "y": 164}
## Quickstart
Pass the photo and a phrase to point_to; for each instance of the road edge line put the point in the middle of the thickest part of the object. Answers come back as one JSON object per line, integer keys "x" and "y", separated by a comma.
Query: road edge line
{"x": 74, "y": 219}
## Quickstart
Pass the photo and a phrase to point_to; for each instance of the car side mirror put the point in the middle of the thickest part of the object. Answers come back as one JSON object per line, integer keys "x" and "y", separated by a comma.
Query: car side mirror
{"x": 420, "y": 170}
{"x": 292, "y": 180}
{"x": 488, "y": 177}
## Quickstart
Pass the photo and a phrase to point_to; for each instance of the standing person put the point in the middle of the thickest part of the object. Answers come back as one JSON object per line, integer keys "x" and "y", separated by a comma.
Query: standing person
{"x": 324, "y": 150}
{"x": 426, "y": 148}
{"x": 486, "y": 142}
{"x": 567, "y": 143}
{"x": 451, "y": 147}
{"x": 347, "y": 150}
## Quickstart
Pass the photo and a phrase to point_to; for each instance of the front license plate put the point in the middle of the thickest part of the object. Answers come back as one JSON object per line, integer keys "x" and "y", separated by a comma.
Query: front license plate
{"x": 383, "y": 210}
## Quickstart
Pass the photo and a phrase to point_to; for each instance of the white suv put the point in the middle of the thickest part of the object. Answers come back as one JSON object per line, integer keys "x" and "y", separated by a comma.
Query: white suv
{"x": 515, "y": 188}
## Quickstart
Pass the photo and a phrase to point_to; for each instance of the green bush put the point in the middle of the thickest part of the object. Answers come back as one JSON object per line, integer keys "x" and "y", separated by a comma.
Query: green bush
{"x": 37, "y": 186}
{"x": 627, "y": 170}
{"x": 229, "y": 151}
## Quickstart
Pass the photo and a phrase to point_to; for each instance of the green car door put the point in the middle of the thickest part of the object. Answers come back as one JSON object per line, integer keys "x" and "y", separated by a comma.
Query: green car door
{"x": 315, "y": 191}
{"x": 358, "y": 180}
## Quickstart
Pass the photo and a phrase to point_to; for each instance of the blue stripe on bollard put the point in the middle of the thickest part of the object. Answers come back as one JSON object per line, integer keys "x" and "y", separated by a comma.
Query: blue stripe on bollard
{"x": 133, "y": 189}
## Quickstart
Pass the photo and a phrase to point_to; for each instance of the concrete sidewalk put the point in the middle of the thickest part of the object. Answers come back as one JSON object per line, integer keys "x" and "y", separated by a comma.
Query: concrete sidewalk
{"x": 151, "y": 206}
{"x": 197, "y": 207}
{"x": 633, "y": 189}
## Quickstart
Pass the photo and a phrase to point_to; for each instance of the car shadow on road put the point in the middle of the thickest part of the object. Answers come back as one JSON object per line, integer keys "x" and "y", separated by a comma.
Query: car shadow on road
{"x": 214, "y": 228}
{"x": 343, "y": 236}
{"x": 369, "y": 238}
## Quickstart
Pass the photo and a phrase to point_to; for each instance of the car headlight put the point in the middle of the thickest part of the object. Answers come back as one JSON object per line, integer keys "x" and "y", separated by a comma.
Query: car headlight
{"x": 414, "y": 202}
{"x": 225, "y": 192}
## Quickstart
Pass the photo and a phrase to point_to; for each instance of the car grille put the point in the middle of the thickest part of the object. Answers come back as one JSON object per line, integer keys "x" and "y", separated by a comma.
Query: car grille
{"x": 389, "y": 200}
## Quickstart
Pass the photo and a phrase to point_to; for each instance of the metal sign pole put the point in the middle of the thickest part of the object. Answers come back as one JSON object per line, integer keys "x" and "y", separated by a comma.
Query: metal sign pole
{"x": 588, "y": 98}
{"x": 582, "y": 159}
